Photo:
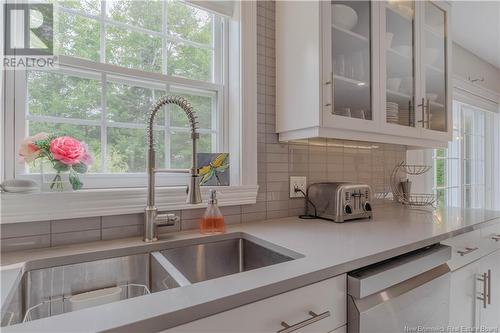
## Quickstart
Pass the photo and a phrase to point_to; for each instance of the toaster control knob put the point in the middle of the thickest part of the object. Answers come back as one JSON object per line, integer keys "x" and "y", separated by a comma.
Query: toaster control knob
{"x": 348, "y": 209}
{"x": 367, "y": 207}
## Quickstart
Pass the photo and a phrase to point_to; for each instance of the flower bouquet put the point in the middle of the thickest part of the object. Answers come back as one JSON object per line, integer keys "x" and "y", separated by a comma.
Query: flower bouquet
{"x": 64, "y": 154}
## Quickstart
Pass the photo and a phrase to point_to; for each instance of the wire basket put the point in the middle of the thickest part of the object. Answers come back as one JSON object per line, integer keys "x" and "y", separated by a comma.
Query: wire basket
{"x": 28, "y": 315}
{"x": 414, "y": 170}
{"x": 412, "y": 200}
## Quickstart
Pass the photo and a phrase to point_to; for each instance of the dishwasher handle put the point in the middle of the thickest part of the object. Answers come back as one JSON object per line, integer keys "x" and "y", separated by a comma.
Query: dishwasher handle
{"x": 314, "y": 318}
{"x": 380, "y": 276}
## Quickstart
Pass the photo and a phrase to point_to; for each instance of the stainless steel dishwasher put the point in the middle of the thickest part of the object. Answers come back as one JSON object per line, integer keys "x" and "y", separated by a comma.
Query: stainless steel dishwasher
{"x": 402, "y": 294}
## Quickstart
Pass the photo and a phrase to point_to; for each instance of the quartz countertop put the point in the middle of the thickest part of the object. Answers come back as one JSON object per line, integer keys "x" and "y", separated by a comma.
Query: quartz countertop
{"x": 328, "y": 249}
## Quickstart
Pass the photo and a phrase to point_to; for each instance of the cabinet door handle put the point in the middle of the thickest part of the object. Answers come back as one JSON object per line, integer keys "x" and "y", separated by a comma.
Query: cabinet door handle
{"x": 467, "y": 251}
{"x": 428, "y": 122}
{"x": 489, "y": 286}
{"x": 423, "y": 112}
{"x": 314, "y": 318}
{"x": 496, "y": 238}
{"x": 483, "y": 297}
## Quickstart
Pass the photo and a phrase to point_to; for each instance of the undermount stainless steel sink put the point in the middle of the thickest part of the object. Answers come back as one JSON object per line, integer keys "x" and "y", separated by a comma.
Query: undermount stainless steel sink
{"x": 206, "y": 261}
{"x": 50, "y": 290}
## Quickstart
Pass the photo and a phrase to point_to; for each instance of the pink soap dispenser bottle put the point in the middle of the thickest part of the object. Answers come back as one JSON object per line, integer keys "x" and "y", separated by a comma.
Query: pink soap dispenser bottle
{"x": 212, "y": 221}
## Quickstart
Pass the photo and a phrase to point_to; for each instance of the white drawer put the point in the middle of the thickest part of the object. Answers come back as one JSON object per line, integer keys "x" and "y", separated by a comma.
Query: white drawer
{"x": 490, "y": 237}
{"x": 292, "y": 307}
{"x": 465, "y": 248}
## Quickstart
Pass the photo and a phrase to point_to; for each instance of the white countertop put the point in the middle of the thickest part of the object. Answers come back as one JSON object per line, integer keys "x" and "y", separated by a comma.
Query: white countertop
{"x": 329, "y": 249}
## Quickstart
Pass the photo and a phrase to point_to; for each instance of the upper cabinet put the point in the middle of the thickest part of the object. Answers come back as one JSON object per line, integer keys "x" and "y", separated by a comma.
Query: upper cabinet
{"x": 364, "y": 70}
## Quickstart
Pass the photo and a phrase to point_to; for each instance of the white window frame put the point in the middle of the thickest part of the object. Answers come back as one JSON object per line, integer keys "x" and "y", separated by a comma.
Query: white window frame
{"x": 241, "y": 141}
{"x": 459, "y": 184}
{"x": 102, "y": 72}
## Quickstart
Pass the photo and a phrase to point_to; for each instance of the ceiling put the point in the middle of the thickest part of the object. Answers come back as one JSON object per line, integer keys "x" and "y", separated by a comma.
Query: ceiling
{"x": 475, "y": 26}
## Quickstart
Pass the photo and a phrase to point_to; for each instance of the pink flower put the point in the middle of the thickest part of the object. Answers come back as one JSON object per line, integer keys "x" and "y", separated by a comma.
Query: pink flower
{"x": 87, "y": 158}
{"x": 67, "y": 150}
{"x": 28, "y": 150}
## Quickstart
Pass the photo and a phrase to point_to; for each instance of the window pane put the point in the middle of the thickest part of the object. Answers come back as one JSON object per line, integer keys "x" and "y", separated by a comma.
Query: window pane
{"x": 190, "y": 62}
{"x": 59, "y": 95}
{"x": 91, "y": 135}
{"x": 180, "y": 156}
{"x": 203, "y": 106}
{"x": 85, "y": 6}
{"x": 132, "y": 49}
{"x": 77, "y": 36}
{"x": 440, "y": 175}
{"x": 189, "y": 23}
{"x": 126, "y": 151}
{"x": 144, "y": 14}
{"x": 132, "y": 104}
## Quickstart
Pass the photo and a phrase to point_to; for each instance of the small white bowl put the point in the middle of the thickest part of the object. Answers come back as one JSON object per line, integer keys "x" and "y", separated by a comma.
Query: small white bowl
{"x": 344, "y": 17}
{"x": 20, "y": 186}
{"x": 431, "y": 97}
{"x": 405, "y": 50}
{"x": 388, "y": 39}
{"x": 431, "y": 56}
{"x": 393, "y": 84}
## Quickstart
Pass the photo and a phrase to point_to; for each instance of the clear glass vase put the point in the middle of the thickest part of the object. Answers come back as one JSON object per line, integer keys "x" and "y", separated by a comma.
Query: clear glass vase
{"x": 53, "y": 181}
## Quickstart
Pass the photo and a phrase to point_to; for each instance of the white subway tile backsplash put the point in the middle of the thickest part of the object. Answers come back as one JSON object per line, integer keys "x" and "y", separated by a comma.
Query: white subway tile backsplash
{"x": 253, "y": 217}
{"x": 122, "y": 232}
{"x": 25, "y": 243}
{"x": 122, "y": 220}
{"x": 74, "y": 237}
{"x": 85, "y": 223}
{"x": 24, "y": 229}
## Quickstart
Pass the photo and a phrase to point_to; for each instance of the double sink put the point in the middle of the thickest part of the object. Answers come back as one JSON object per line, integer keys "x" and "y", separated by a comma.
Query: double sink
{"x": 52, "y": 290}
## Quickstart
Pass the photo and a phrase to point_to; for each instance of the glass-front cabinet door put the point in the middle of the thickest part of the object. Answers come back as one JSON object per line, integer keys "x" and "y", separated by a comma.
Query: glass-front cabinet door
{"x": 348, "y": 64}
{"x": 399, "y": 68}
{"x": 435, "y": 99}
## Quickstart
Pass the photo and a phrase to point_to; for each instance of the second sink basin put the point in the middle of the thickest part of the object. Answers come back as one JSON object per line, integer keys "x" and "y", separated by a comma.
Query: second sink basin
{"x": 210, "y": 260}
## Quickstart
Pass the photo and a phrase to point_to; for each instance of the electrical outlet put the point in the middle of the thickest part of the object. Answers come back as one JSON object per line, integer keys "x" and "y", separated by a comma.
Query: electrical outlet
{"x": 297, "y": 182}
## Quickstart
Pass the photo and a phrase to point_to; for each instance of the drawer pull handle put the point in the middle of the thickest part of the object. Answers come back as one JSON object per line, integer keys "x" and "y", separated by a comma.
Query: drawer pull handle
{"x": 489, "y": 286}
{"x": 485, "y": 296}
{"x": 467, "y": 251}
{"x": 496, "y": 238}
{"x": 314, "y": 318}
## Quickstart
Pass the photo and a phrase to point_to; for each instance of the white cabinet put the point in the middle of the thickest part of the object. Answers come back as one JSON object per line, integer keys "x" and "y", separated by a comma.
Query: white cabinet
{"x": 463, "y": 293}
{"x": 475, "y": 293}
{"x": 364, "y": 70}
{"x": 320, "y": 307}
{"x": 489, "y": 284}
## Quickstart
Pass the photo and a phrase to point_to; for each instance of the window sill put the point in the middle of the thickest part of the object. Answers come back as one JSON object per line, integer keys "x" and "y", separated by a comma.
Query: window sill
{"x": 101, "y": 202}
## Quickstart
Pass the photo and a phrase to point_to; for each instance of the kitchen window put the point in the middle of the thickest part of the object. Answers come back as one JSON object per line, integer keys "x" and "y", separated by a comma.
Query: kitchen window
{"x": 116, "y": 59}
{"x": 113, "y": 65}
{"x": 461, "y": 171}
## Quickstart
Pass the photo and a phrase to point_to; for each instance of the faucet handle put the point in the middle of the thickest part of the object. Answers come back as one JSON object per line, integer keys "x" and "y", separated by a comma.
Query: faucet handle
{"x": 164, "y": 220}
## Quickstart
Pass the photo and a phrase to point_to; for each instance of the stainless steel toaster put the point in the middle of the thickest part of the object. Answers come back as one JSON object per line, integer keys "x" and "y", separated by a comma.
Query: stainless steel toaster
{"x": 339, "y": 202}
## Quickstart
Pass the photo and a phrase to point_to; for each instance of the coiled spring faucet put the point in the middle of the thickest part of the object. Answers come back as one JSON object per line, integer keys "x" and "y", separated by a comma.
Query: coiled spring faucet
{"x": 151, "y": 217}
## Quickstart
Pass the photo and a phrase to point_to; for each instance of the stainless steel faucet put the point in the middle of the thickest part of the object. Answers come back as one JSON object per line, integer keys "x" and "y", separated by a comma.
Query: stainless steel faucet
{"x": 151, "y": 217}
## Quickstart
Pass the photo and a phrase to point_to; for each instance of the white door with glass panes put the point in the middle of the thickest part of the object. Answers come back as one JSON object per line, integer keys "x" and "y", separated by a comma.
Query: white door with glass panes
{"x": 350, "y": 64}
{"x": 399, "y": 68}
{"x": 434, "y": 101}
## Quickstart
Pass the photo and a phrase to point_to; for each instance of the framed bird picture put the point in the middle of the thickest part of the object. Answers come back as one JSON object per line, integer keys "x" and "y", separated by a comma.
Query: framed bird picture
{"x": 213, "y": 169}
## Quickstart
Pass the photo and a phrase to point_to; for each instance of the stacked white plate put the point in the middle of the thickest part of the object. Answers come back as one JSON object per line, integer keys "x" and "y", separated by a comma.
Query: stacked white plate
{"x": 404, "y": 117}
{"x": 392, "y": 112}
